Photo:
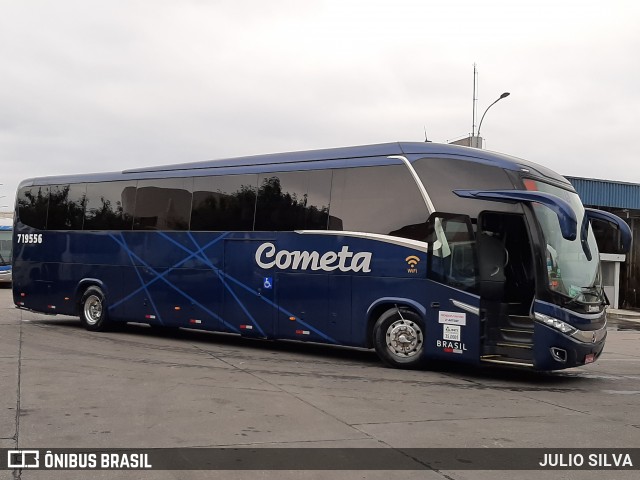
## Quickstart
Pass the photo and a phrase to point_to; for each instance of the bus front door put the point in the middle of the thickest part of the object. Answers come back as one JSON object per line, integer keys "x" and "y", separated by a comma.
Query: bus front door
{"x": 488, "y": 272}
{"x": 453, "y": 311}
{"x": 507, "y": 288}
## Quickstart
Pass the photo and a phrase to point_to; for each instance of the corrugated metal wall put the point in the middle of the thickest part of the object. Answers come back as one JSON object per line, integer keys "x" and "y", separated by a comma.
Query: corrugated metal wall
{"x": 606, "y": 193}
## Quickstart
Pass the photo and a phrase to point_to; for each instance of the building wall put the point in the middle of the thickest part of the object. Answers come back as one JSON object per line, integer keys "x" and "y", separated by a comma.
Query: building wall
{"x": 607, "y": 193}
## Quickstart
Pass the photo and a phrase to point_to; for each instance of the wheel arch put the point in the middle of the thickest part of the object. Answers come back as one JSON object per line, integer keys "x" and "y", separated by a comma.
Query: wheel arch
{"x": 82, "y": 287}
{"x": 377, "y": 308}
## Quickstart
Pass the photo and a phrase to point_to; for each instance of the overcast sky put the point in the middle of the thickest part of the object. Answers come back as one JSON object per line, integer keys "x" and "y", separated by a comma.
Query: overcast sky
{"x": 92, "y": 86}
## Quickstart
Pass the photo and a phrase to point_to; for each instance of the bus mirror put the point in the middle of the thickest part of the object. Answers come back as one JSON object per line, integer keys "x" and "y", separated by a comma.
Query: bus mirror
{"x": 562, "y": 208}
{"x": 626, "y": 236}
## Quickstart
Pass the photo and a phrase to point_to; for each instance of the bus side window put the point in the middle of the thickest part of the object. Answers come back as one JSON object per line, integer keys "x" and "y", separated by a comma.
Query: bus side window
{"x": 290, "y": 201}
{"x": 66, "y": 207}
{"x": 224, "y": 203}
{"x": 33, "y": 203}
{"x": 163, "y": 204}
{"x": 109, "y": 205}
{"x": 383, "y": 199}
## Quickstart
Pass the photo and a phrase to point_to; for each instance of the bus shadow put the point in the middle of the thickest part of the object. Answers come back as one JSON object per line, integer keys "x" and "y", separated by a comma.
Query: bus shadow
{"x": 562, "y": 379}
{"x": 221, "y": 339}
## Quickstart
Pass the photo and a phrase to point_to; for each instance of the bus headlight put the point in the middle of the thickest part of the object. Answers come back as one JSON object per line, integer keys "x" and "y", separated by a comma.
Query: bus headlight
{"x": 555, "y": 323}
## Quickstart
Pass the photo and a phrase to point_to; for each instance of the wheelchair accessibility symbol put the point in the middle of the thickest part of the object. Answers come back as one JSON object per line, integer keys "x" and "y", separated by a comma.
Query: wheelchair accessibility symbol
{"x": 268, "y": 283}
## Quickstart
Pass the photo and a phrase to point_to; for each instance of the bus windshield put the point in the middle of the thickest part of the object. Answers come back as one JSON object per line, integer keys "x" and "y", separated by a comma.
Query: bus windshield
{"x": 571, "y": 272}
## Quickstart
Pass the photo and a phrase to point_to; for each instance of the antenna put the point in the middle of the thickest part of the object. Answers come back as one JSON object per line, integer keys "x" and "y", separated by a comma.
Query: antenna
{"x": 475, "y": 101}
{"x": 425, "y": 134}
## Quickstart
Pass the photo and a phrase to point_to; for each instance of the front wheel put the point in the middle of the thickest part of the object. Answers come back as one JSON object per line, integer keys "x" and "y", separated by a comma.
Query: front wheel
{"x": 398, "y": 337}
{"x": 93, "y": 310}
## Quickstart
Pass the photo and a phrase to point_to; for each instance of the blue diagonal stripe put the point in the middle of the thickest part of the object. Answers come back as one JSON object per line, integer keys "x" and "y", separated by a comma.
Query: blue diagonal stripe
{"x": 229, "y": 289}
{"x": 181, "y": 292}
{"x": 153, "y": 304}
{"x": 166, "y": 272}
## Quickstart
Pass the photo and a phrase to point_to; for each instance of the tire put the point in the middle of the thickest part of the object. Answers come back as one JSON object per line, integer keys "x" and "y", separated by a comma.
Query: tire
{"x": 398, "y": 337}
{"x": 93, "y": 310}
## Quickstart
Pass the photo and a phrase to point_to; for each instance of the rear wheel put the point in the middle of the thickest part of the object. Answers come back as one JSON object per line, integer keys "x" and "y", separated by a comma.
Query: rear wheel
{"x": 93, "y": 310}
{"x": 398, "y": 337}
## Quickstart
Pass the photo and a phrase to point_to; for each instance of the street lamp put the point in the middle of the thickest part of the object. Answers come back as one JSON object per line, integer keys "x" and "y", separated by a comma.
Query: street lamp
{"x": 504, "y": 95}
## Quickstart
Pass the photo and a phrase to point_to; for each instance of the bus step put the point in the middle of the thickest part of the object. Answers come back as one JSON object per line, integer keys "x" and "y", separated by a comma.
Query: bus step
{"x": 520, "y": 321}
{"x": 514, "y": 362}
{"x": 517, "y": 335}
{"x": 516, "y": 351}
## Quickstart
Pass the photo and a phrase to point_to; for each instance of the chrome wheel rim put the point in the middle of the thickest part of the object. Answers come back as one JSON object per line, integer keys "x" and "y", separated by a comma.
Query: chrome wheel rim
{"x": 92, "y": 309}
{"x": 404, "y": 338}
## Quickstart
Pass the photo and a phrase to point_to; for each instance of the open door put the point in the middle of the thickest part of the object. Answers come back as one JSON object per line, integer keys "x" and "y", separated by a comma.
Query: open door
{"x": 453, "y": 321}
{"x": 452, "y": 258}
{"x": 506, "y": 286}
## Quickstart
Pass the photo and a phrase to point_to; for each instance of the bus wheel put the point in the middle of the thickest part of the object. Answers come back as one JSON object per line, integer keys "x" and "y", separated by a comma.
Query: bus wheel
{"x": 93, "y": 310}
{"x": 398, "y": 337}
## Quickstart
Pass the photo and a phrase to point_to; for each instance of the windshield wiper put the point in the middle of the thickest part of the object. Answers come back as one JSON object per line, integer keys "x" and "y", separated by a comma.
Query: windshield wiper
{"x": 595, "y": 291}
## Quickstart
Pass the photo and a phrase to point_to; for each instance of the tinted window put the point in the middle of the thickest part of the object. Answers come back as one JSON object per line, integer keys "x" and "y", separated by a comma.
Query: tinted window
{"x": 441, "y": 176}
{"x": 163, "y": 204}
{"x": 32, "y": 206}
{"x": 225, "y": 203}
{"x": 66, "y": 207}
{"x": 5, "y": 247}
{"x": 377, "y": 200}
{"x": 607, "y": 238}
{"x": 452, "y": 252}
{"x": 293, "y": 201}
{"x": 109, "y": 205}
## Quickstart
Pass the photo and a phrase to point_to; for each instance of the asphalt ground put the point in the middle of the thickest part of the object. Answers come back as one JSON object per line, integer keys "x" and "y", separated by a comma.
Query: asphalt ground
{"x": 64, "y": 387}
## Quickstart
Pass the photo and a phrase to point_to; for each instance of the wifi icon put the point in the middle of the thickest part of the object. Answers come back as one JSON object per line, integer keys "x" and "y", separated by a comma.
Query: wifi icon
{"x": 412, "y": 261}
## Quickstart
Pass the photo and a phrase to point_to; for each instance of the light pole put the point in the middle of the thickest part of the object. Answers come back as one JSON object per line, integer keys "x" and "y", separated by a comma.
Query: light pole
{"x": 504, "y": 95}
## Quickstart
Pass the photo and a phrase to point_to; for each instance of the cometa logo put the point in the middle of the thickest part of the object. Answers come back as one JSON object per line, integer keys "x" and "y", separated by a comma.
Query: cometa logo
{"x": 412, "y": 262}
{"x": 346, "y": 261}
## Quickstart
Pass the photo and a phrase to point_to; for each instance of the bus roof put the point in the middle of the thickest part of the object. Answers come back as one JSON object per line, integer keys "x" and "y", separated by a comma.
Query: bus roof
{"x": 376, "y": 154}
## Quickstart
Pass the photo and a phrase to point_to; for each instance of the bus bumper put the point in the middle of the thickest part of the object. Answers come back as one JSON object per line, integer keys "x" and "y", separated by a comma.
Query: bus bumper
{"x": 555, "y": 350}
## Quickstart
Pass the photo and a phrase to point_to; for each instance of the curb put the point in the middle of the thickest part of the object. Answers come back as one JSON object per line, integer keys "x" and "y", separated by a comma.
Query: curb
{"x": 623, "y": 316}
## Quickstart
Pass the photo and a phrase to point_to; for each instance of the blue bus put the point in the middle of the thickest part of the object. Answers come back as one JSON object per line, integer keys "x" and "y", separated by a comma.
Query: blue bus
{"x": 421, "y": 251}
{"x": 5, "y": 254}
